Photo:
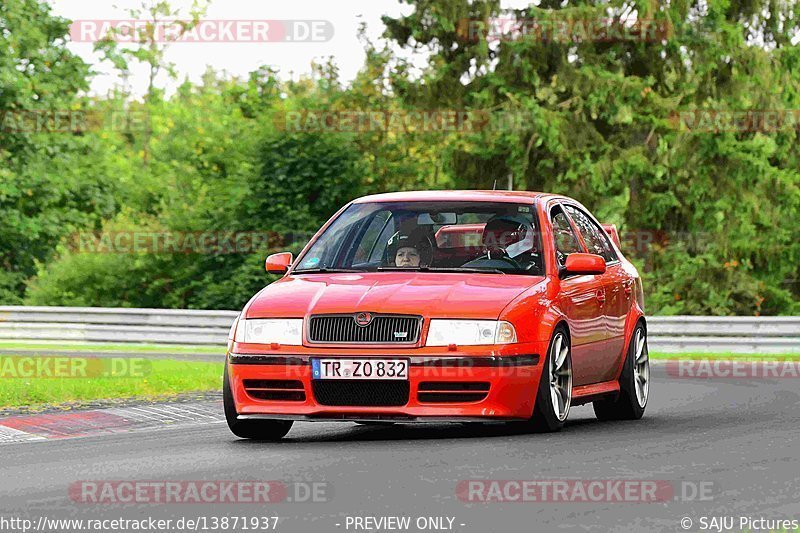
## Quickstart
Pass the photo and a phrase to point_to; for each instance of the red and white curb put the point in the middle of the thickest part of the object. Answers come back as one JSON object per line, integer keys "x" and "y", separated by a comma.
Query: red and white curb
{"x": 42, "y": 427}
{"x": 8, "y": 435}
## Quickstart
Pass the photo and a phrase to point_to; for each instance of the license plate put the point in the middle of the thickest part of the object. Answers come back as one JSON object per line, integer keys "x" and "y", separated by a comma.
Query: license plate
{"x": 359, "y": 368}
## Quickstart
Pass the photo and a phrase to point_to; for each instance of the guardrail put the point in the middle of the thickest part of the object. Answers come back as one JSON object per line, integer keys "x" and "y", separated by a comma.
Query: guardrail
{"x": 737, "y": 334}
{"x": 172, "y": 326}
{"x": 114, "y": 325}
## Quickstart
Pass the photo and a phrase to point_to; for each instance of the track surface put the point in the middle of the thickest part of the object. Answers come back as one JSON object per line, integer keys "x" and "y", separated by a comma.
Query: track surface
{"x": 740, "y": 436}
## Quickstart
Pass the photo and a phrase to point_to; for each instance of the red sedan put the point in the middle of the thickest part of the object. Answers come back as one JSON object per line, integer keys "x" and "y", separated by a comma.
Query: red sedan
{"x": 461, "y": 306}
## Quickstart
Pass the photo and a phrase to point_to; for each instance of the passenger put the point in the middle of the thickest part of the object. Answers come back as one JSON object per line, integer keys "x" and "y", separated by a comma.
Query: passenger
{"x": 407, "y": 256}
{"x": 410, "y": 250}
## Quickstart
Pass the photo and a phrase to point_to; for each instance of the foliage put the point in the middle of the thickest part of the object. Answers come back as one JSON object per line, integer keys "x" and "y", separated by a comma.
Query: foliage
{"x": 46, "y": 190}
{"x": 599, "y": 125}
{"x": 235, "y": 174}
{"x": 597, "y": 120}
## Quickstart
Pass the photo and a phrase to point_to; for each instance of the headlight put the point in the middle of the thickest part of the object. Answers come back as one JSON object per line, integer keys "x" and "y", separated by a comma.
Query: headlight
{"x": 470, "y": 332}
{"x": 269, "y": 330}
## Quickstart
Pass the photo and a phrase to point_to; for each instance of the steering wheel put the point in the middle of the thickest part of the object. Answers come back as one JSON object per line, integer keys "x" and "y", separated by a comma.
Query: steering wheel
{"x": 504, "y": 257}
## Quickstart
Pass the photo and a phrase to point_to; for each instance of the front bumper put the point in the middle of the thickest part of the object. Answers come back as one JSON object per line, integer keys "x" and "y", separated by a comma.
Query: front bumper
{"x": 509, "y": 376}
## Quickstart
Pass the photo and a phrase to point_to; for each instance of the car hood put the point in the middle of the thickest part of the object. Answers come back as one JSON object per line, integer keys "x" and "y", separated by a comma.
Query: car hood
{"x": 439, "y": 295}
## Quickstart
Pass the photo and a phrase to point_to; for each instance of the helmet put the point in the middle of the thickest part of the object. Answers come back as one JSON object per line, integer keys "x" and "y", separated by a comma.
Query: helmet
{"x": 413, "y": 238}
{"x": 507, "y": 236}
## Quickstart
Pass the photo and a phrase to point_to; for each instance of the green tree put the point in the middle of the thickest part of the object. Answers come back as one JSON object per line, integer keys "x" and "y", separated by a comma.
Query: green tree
{"x": 237, "y": 173}
{"x": 147, "y": 43}
{"x": 44, "y": 193}
{"x": 597, "y": 122}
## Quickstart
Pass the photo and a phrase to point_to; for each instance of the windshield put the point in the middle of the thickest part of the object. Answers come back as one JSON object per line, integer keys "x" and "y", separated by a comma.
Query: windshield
{"x": 483, "y": 237}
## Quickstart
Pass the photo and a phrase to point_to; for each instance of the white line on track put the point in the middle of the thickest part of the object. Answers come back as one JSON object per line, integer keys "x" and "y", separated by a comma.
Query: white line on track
{"x": 9, "y": 435}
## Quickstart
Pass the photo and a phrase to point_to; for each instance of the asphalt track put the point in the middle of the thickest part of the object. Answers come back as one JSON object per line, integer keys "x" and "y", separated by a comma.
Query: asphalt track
{"x": 736, "y": 438}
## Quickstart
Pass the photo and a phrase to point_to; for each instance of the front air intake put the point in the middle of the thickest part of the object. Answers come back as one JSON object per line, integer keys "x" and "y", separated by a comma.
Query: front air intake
{"x": 360, "y": 393}
{"x": 452, "y": 391}
{"x": 364, "y": 328}
{"x": 287, "y": 390}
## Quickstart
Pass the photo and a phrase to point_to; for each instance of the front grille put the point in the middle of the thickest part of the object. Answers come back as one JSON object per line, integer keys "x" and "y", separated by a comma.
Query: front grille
{"x": 288, "y": 390}
{"x": 361, "y": 393}
{"x": 382, "y": 329}
{"x": 452, "y": 391}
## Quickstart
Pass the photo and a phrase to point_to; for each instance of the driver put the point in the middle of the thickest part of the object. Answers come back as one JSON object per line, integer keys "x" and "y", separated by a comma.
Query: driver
{"x": 507, "y": 240}
{"x": 410, "y": 249}
{"x": 507, "y": 236}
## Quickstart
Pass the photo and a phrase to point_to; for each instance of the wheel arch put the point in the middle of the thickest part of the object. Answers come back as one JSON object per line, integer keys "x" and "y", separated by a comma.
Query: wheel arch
{"x": 562, "y": 324}
{"x": 633, "y": 321}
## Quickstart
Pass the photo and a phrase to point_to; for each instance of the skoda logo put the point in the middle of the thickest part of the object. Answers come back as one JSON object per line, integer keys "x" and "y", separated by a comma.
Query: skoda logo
{"x": 363, "y": 319}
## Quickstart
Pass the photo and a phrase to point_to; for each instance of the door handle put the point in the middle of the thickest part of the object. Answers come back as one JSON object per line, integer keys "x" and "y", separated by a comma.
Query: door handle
{"x": 601, "y": 296}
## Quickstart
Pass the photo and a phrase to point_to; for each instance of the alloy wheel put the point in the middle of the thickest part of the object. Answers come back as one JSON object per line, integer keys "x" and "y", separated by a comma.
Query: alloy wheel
{"x": 560, "y": 374}
{"x": 641, "y": 367}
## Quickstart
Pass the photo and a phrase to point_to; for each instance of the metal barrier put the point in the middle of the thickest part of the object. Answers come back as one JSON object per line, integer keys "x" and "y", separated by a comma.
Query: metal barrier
{"x": 737, "y": 334}
{"x": 114, "y": 325}
{"x": 172, "y": 326}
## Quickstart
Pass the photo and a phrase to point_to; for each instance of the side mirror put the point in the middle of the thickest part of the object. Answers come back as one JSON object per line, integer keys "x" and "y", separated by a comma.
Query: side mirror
{"x": 584, "y": 264}
{"x": 279, "y": 263}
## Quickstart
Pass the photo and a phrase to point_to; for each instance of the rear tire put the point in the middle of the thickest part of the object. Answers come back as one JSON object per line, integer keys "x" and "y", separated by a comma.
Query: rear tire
{"x": 271, "y": 430}
{"x": 554, "y": 396}
{"x": 634, "y": 383}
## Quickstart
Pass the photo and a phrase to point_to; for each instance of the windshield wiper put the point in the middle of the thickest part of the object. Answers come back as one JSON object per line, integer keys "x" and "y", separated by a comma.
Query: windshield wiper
{"x": 326, "y": 270}
{"x": 443, "y": 269}
{"x": 468, "y": 269}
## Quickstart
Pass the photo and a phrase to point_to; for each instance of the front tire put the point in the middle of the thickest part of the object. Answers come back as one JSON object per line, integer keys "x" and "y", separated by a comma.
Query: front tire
{"x": 554, "y": 396}
{"x": 271, "y": 430}
{"x": 634, "y": 383}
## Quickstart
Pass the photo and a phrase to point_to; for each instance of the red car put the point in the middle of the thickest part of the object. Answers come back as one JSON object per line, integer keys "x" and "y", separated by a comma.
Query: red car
{"x": 458, "y": 306}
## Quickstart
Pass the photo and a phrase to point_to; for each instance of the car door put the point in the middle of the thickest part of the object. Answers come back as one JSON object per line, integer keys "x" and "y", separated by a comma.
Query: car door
{"x": 617, "y": 296}
{"x": 580, "y": 298}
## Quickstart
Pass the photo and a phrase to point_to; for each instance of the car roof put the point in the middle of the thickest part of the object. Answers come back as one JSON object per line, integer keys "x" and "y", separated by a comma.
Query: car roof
{"x": 464, "y": 196}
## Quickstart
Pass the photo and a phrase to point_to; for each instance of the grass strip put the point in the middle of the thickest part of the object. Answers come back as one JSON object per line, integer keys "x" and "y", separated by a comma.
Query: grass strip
{"x": 157, "y": 379}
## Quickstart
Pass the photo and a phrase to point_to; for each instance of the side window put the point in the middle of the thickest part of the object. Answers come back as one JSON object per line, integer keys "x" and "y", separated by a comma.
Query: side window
{"x": 593, "y": 235}
{"x": 324, "y": 255}
{"x": 565, "y": 240}
{"x": 369, "y": 240}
